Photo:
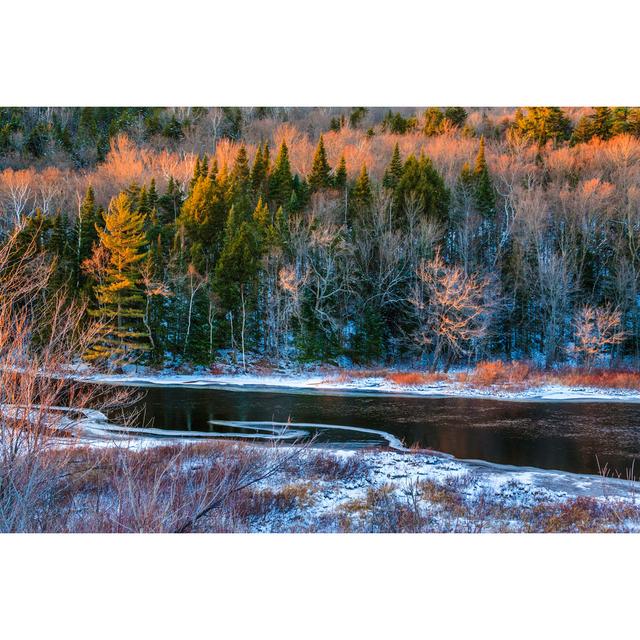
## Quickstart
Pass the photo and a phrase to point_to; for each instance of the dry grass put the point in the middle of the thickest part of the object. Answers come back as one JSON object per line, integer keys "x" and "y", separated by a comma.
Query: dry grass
{"x": 415, "y": 378}
{"x": 600, "y": 378}
{"x": 349, "y": 375}
{"x": 330, "y": 467}
{"x": 514, "y": 376}
{"x": 497, "y": 372}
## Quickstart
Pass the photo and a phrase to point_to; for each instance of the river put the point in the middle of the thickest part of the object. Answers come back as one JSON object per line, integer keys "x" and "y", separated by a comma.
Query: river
{"x": 573, "y": 436}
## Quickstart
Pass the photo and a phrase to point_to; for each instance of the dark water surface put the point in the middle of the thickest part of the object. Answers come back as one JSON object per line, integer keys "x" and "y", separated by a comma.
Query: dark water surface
{"x": 569, "y": 436}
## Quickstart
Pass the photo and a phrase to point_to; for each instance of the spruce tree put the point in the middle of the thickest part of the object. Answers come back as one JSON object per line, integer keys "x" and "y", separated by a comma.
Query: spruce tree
{"x": 170, "y": 202}
{"x": 119, "y": 295}
{"x": 281, "y": 179}
{"x": 583, "y": 131}
{"x": 455, "y": 115}
{"x": 484, "y": 194}
{"x": 433, "y": 119}
{"x": 202, "y": 216}
{"x": 320, "y": 176}
{"x": 393, "y": 172}
{"x": 257, "y": 171}
{"x": 361, "y": 194}
{"x": 239, "y": 183}
{"x": 602, "y": 119}
{"x": 424, "y": 187}
{"x": 340, "y": 177}
{"x": 89, "y": 219}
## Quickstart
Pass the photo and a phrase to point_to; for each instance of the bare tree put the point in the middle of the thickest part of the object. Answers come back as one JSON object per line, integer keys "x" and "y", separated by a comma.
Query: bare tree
{"x": 596, "y": 330}
{"x": 452, "y": 308}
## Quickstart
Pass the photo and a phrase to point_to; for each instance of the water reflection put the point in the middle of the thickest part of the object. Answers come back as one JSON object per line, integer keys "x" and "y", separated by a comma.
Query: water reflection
{"x": 565, "y": 436}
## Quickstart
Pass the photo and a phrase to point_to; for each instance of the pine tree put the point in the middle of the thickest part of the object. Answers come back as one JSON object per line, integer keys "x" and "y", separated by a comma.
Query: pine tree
{"x": 281, "y": 179}
{"x": 361, "y": 195}
{"x": 484, "y": 194}
{"x": 120, "y": 298}
{"x": 89, "y": 219}
{"x": 320, "y": 176}
{"x": 393, "y": 172}
{"x": 602, "y": 119}
{"x": 456, "y": 116}
{"x": 170, "y": 203}
{"x": 340, "y": 177}
{"x": 202, "y": 216}
{"x": 422, "y": 185}
{"x": 239, "y": 184}
{"x": 433, "y": 119}
{"x": 583, "y": 131}
{"x": 542, "y": 124}
{"x": 235, "y": 276}
{"x": 257, "y": 171}
{"x": 60, "y": 247}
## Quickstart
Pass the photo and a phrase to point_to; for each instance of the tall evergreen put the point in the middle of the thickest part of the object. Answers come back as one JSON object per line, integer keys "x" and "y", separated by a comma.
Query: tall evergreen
{"x": 393, "y": 172}
{"x": 259, "y": 171}
{"x": 202, "y": 216}
{"x": 361, "y": 194}
{"x": 484, "y": 194}
{"x": 89, "y": 220}
{"x": 119, "y": 295}
{"x": 422, "y": 187}
{"x": 340, "y": 177}
{"x": 281, "y": 179}
{"x": 320, "y": 176}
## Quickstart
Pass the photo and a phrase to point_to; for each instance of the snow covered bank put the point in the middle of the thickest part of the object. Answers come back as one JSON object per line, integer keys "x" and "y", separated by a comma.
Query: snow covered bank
{"x": 391, "y": 491}
{"x": 372, "y": 385}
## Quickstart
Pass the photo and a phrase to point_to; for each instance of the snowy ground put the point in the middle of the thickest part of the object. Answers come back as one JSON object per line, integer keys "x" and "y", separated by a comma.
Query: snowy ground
{"x": 373, "y": 385}
{"x": 386, "y": 490}
{"x": 423, "y": 492}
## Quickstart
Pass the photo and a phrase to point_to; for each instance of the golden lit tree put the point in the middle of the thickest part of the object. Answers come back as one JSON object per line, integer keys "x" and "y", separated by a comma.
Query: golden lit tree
{"x": 119, "y": 292}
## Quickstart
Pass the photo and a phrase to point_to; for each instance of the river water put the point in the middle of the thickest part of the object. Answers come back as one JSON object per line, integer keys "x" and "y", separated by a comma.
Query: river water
{"x": 573, "y": 436}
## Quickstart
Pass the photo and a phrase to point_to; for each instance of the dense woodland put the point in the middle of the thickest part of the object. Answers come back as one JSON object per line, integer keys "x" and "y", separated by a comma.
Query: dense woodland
{"x": 438, "y": 236}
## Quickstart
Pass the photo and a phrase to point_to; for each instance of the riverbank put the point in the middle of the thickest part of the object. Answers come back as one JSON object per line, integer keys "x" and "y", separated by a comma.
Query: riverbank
{"x": 105, "y": 479}
{"x": 459, "y": 384}
{"x": 303, "y": 489}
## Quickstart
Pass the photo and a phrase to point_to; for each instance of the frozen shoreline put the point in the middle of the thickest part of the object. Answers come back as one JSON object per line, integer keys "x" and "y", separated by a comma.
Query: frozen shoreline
{"x": 395, "y": 466}
{"x": 369, "y": 386}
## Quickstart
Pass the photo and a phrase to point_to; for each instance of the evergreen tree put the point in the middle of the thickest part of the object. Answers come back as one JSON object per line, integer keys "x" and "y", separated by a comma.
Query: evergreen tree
{"x": 340, "y": 177}
{"x": 64, "y": 259}
{"x": 361, "y": 194}
{"x": 433, "y": 119}
{"x": 542, "y": 124}
{"x": 457, "y": 116}
{"x": 89, "y": 220}
{"x": 120, "y": 298}
{"x": 356, "y": 116}
{"x": 239, "y": 184}
{"x": 602, "y": 119}
{"x": 484, "y": 194}
{"x": 281, "y": 179}
{"x": 393, "y": 172}
{"x": 583, "y": 131}
{"x": 320, "y": 176}
{"x": 260, "y": 172}
{"x": 202, "y": 216}
{"x": 235, "y": 276}
{"x": 425, "y": 187}
{"x": 170, "y": 203}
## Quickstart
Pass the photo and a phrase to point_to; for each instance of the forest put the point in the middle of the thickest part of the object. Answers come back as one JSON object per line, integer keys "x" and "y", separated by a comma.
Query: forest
{"x": 436, "y": 237}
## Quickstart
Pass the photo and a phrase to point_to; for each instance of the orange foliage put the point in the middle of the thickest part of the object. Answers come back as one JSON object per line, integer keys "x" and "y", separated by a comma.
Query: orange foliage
{"x": 413, "y": 378}
{"x": 497, "y": 372}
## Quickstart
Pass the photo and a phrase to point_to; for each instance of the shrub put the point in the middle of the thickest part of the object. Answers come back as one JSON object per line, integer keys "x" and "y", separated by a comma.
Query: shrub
{"x": 414, "y": 378}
